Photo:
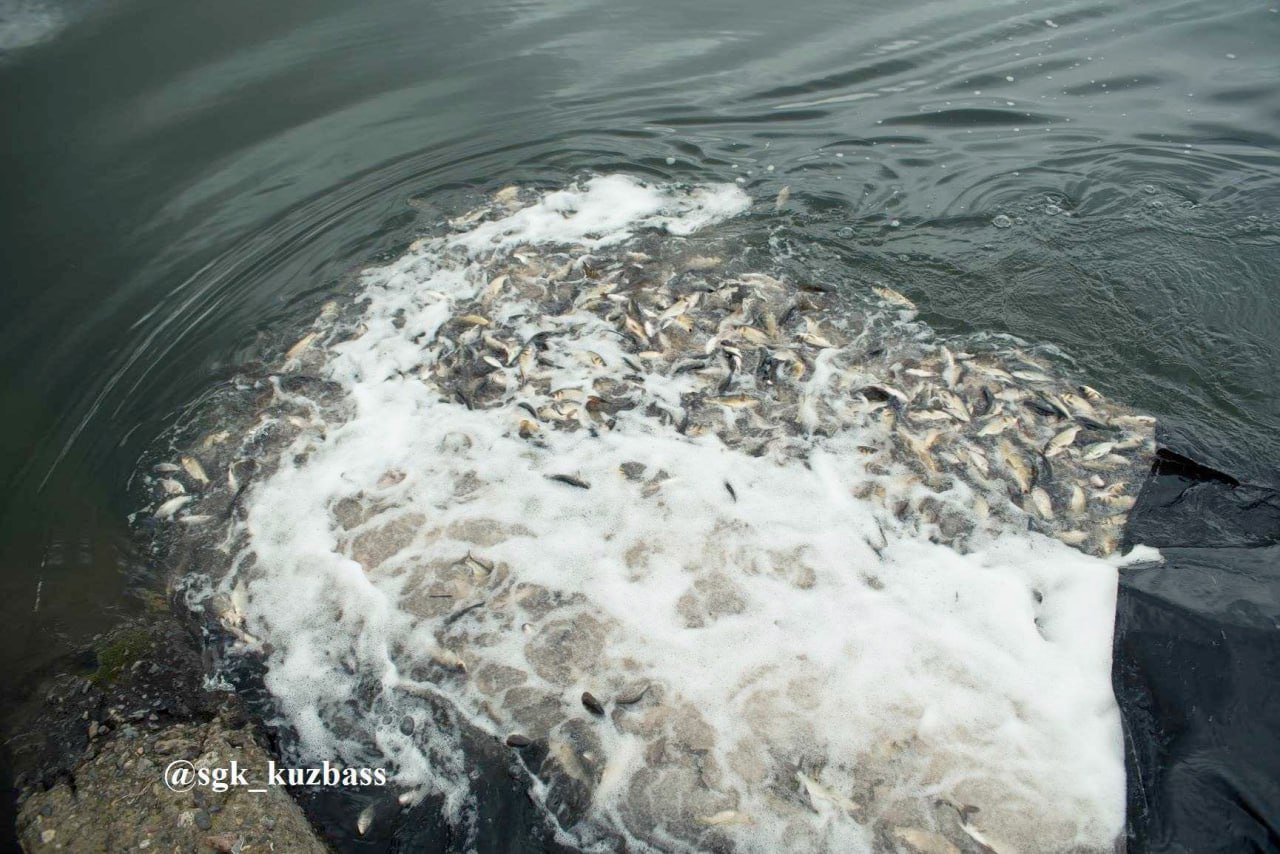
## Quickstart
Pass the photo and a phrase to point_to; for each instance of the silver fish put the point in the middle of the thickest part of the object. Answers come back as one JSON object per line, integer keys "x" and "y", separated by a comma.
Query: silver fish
{"x": 1015, "y": 464}
{"x": 1043, "y": 504}
{"x": 365, "y": 820}
{"x": 1098, "y": 450}
{"x": 173, "y": 505}
{"x": 997, "y": 425}
{"x": 1077, "y": 500}
{"x": 299, "y": 348}
{"x": 890, "y": 295}
{"x": 1061, "y": 442}
{"x": 193, "y": 468}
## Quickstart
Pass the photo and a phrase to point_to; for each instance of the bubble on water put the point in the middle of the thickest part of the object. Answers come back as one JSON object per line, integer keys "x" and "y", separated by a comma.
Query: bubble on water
{"x": 671, "y": 161}
{"x": 844, "y": 233}
{"x": 1052, "y": 209}
{"x": 1009, "y": 77}
{"x": 894, "y": 223}
{"x": 1001, "y": 221}
{"x": 1149, "y": 189}
{"x": 1048, "y": 22}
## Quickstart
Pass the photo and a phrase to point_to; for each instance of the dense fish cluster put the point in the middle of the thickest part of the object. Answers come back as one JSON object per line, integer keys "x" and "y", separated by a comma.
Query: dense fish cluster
{"x": 767, "y": 365}
{"x": 730, "y": 561}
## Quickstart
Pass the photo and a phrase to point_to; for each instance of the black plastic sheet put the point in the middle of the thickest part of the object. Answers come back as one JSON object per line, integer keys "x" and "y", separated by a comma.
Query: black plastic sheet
{"x": 1196, "y": 661}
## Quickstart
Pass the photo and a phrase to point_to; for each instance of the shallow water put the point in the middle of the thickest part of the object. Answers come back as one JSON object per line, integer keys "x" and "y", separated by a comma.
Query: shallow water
{"x": 181, "y": 180}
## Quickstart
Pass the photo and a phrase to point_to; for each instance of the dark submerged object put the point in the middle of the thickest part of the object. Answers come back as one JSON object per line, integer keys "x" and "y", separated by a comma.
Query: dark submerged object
{"x": 1195, "y": 657}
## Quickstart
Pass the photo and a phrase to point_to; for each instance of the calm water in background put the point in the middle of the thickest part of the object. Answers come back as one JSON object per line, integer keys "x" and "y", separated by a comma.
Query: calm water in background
{"x": 179, "y": 179}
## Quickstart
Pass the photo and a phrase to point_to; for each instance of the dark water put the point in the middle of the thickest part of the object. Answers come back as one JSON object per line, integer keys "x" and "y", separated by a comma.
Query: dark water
{"x": 179, "y": 179}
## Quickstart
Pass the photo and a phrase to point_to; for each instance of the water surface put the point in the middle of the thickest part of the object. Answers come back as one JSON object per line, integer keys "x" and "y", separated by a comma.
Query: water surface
{"x": 181, "y": 180}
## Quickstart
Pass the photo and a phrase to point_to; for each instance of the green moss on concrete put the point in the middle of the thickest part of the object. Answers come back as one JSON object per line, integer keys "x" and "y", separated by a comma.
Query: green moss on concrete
{"x": 118, "y": 652}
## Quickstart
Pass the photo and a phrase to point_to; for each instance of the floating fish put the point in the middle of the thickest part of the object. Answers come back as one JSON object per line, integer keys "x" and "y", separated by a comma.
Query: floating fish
{"x": 365, "y": 820}
{"x": 195, "y": 470}
{"x": 819, "y": 793}
{"x": 891, "y": 296}
{"x": 172, "y": 506}
{"x": 303, "y": 344}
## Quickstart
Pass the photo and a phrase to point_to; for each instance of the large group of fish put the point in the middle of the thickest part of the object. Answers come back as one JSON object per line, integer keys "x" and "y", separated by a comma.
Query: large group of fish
{"x": 772, "y": 364}
{"x": 959, "y": 440}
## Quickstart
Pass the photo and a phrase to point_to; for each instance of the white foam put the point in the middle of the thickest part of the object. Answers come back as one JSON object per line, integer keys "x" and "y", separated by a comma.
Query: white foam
{"x": 788, "y": 628}
{"x": 24, "y": 23}
{"x": 608, "y": 210}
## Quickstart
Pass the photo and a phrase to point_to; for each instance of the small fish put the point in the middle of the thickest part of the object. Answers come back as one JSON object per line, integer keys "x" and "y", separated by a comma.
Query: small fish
{"x": 737, "y": 401}
{"x": 981, "y": 509}
{"x": 920, "y": 446}
{"x": 1039, "y": 407}
{"x": 570, "y": 480}
{"x": 166, "y": 468}
{"x": 818, "y": 792}
{"x": 196, "y": 519}
{"x": 508, "y": 197}
{"x": 495, "y": 287}
{"x": 469, "y": 218}
{"x": 1072, "y": 538}
{"x": 193, "y": 468}
{"x": 1015, "y": 464}
{"x": 518, "y": 741}
{"x": 479, "y": 568}
{"x": 883, "y": 393}
{"x": 781, "y": 201}
{"x": 891, "y": 296}
{"x": 632, "y": 695}
{"x": 1032, "y": 377}
{"x": 979, "y": 461}
{"x": 1077, "y": 404}
{"x": 997, "y": 425}
{"x": 591, "y": 704}
{"x": 993, "y": 371}
{"x": 215, "y": 439}
{"x": 950, "y": 371}
{"x": 1119, "y": 502}
{"x": 753, "y": 336}
{"x": 1078, "y": 500}
{"x": 474, "y": 320}
{"x": 984, "y": 404}
{"x": 365, "y": 820}
{"x": 172, "y": 487}
{"x": 1043, "y": 504}
{"x": 952, "y": 404}
{"x": 1061, "y": 442}
{"x": 1098, "y": 450}
{"x": 299, "y": 348}
{"x": 173, "y": 505}
{"x": 1091, "y": 393}
{"x": 814, "y": 337}
{"x": 726, "y": 817}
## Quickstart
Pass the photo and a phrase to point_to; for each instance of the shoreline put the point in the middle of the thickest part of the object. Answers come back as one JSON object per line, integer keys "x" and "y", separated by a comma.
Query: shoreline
{"x": 90, "y": 745}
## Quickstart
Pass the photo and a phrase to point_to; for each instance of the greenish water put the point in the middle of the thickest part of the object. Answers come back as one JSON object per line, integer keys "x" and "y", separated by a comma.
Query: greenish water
{"x": 180, "y": 179}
